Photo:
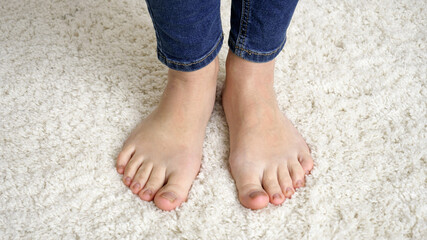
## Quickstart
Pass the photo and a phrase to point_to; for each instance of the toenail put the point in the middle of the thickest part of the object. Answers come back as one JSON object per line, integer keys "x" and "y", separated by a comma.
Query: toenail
{"x": 169, "y": 196}
{"x": 127, "y": 180}
{"x": 136, "y": 186}
{"x": 256, "y": 194}
{"x": 147, "y": 193}
{"x": 307, "y": 172}
{"x": 120, "y": 169}
{"x": 299, "y": 183}
{"x": 288, "y": 191}
{"x": 276, "y": 196}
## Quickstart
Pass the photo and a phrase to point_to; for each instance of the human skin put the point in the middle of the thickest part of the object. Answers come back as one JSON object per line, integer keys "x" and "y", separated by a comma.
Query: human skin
{"x": 268, "y": 157}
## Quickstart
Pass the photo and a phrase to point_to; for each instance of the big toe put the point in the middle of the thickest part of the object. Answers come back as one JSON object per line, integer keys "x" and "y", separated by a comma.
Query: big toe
{"x": 175, "y": 192}
{"x": 254, "y": 197}
{"x": 251, "y": 193}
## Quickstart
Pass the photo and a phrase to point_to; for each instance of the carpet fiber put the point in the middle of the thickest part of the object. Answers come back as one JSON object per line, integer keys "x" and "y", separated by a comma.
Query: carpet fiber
{"x": 77, "y": 76}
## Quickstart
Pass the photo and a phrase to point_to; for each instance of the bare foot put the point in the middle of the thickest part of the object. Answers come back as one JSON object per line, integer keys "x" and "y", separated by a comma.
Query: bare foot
{"x": 162, "y": 155}
{"x": 268, "y": 156}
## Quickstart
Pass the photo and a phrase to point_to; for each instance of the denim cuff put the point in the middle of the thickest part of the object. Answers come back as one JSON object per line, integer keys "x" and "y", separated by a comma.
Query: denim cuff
{"x": 194, "y": 65}
{"x": 252, "y": 55}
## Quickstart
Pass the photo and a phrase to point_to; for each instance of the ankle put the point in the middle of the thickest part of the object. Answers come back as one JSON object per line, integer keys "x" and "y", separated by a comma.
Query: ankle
{"x": 243, "y": 73}
{"x": 204, "y": 76}
{"x": 248, "y": 90}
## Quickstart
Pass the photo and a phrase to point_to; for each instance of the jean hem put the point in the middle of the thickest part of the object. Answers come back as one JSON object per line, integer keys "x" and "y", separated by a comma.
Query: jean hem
{"x": 188, "y": 66}
{"x": 252, "y": 55}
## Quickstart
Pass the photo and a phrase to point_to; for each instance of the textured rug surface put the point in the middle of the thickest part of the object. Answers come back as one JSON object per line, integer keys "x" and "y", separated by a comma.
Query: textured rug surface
{"x": 77, "y": 76}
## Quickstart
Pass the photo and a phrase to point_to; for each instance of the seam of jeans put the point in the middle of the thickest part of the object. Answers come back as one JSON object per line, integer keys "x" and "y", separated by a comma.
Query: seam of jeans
{"x": 256, "y": 53}
{"x": 243, "y": 23}
{"x": 247, "y": 12}
{"x": 199, "y": 61}
{"x": 154, "y": 23}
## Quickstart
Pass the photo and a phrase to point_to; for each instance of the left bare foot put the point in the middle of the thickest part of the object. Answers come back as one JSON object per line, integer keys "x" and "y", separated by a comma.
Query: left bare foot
{"x": 268, "y": 156}
{"x": 162, "y": 155}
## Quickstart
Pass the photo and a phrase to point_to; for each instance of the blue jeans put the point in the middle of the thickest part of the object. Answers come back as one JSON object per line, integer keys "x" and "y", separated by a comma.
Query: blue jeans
{"x": 189, "y": 32}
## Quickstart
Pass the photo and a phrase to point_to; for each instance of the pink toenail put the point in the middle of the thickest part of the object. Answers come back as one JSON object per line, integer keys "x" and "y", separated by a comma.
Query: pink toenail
{"x": 127, "y": 180}
{"x": 256, "y": 194}
{"x": 120, "y": 169}
{"x": 307, "y": 172}
{"x": 136, "y": 186}
{"x": 169, "y": 196}
{"x": 147, "y": 193}
{"x": 299, "y": 183}
{"x": 288, "y": 191}
{"x": 276, "y": 196}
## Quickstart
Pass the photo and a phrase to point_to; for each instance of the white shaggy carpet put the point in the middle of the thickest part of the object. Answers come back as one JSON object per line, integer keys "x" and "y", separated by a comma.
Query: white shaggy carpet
{"x": 77, "y": 76}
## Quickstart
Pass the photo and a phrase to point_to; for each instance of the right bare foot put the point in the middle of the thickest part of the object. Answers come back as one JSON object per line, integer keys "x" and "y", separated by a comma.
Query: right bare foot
{"x": 162, "y": 155}
{"x": 268, "y": 156}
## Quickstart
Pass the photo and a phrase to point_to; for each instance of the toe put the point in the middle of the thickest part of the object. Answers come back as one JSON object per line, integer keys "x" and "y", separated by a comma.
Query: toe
{"x": 271, "y": 185}
{"x": 155, "y": 181}
{"x": 141, "y": 177}
{"x": 306, "y": 162}
{"x": 175, "y": 191}
{"x": 251, "y": 193}
{"x": 285, "y": 181}
{"x": 131, "y": 168}
{"x": 123, "y": 158}
{"x": 297, "y": 173}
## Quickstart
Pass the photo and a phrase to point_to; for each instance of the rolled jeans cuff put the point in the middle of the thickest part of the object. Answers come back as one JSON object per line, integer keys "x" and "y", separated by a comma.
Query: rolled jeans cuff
{"x": 194, "y": 65}
{"x": 255, "y": 56}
